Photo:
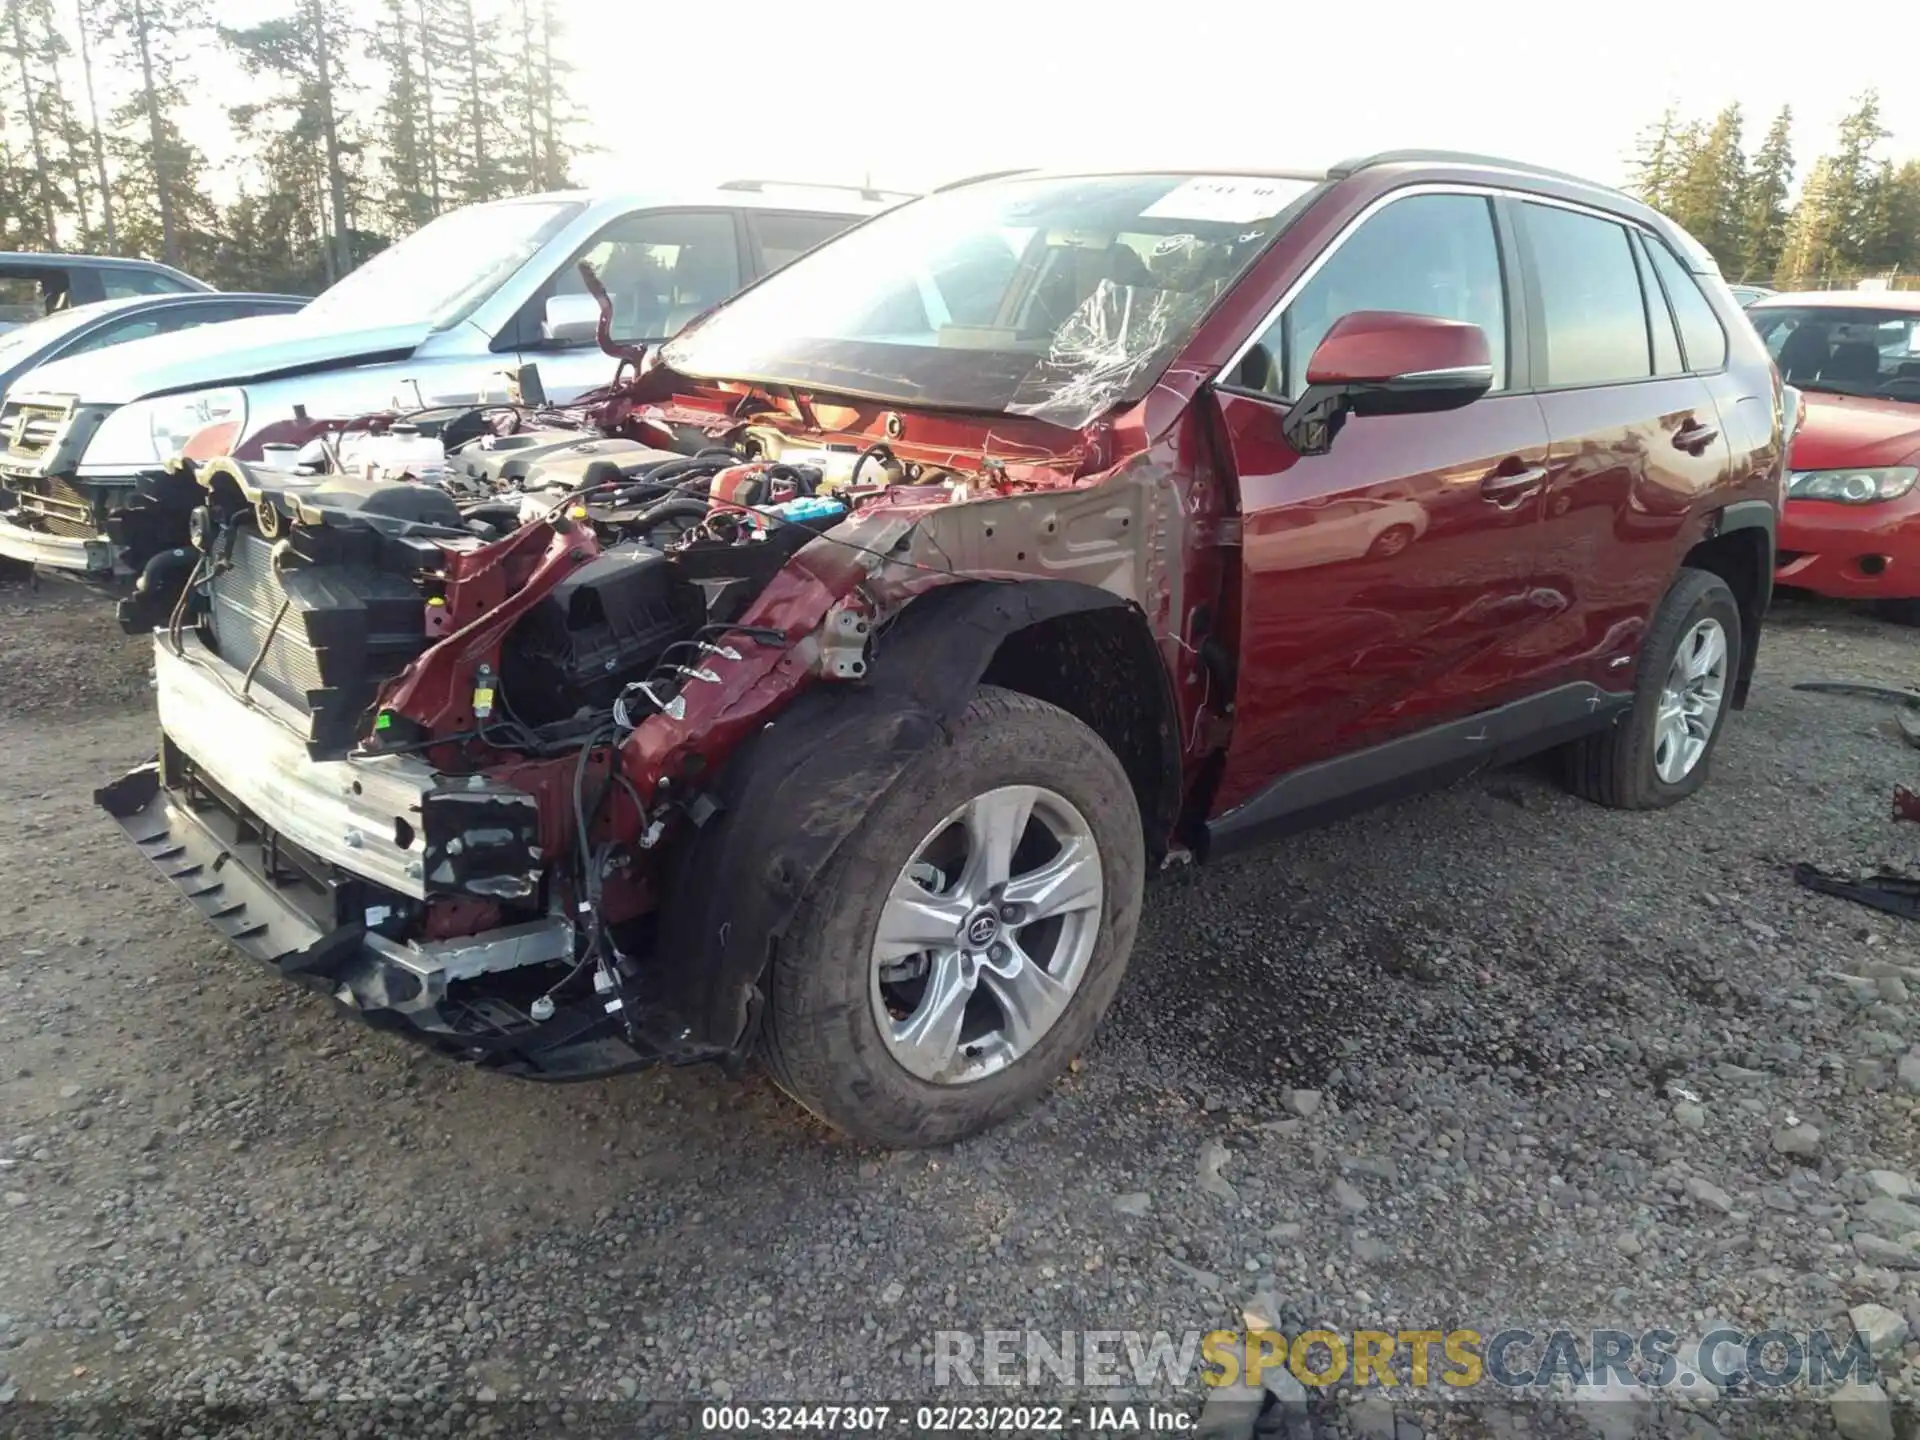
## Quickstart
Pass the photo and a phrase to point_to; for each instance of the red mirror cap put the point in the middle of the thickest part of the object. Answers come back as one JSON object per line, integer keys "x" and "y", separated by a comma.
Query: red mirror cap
{"x": 1375, "y": 346}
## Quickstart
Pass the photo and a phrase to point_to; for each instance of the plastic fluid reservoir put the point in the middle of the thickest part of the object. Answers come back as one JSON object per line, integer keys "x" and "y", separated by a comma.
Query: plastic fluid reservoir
{"x": 402, "y": 451}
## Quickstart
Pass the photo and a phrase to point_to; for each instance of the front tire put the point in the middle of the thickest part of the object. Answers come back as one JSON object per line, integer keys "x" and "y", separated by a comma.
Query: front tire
{"x": 961, "y": 948}
{"x": 1661, "y": 751}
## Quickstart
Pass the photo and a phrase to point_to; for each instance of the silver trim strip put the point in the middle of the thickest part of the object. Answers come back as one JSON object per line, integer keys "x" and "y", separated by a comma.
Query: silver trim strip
{"x": 1446, "y": 372}
{"x": 341, "y": 811}
{"x": 1374, "y": 208}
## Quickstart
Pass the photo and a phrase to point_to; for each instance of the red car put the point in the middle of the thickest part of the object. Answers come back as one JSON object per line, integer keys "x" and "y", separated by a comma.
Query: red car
{"x": 913, "y": 607}
{"x": 1852, "y": 523}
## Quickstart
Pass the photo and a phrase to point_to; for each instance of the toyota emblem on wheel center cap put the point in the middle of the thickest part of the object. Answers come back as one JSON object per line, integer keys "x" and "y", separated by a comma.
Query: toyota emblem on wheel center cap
{"x": 983, "y": 929}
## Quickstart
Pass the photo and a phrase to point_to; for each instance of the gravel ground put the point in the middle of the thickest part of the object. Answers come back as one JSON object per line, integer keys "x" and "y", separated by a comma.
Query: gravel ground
{"x": 1490, "y": 1057}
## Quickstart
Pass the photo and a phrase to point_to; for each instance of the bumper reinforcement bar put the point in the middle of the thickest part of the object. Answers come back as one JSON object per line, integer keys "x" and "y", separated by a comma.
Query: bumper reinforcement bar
{"x": 437, "y": 993}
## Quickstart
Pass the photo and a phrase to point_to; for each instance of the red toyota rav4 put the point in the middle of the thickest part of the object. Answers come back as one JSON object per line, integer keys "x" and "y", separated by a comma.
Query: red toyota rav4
{"x": 913, "y": 606}
{"x": 1852, "y": 524}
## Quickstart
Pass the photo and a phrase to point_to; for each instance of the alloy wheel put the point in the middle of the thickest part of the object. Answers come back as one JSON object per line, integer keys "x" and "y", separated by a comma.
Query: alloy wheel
{"x": 1690, "y": 702}
{"x": 986, "y": 934}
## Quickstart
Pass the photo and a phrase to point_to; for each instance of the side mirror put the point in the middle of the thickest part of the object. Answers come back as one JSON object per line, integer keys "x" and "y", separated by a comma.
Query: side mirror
{"x": 570, "y": 319}
{"x": 1383, "y": 362}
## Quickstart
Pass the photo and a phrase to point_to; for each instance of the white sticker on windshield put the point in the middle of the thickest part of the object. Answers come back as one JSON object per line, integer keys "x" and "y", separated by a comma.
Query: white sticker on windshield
{"x": 1229, "y": 199}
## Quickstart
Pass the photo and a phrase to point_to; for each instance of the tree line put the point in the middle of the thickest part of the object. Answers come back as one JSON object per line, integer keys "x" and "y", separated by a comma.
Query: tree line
{"x": 1856, "y": 213}
{"x": 352, "y": 130}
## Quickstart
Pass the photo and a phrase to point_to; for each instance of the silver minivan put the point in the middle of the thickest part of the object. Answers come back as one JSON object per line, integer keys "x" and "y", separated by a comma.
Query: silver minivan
{"x": 447, "y": 316}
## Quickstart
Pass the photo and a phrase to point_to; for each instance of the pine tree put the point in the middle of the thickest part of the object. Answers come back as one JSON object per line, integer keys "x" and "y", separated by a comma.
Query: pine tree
{"x": 142, "y": 171}
{"x": 1655, "y": 167}
{"x": 35, "y": 49}
{"x": 1806, "y": 249}
{"x": 1903, "y": 217}
{"x": 298, "y": 48}
{"x": 97, "y": 143}
{"x": 405, "y": 127}
{"x": 1710, "y": 174}
{"x": 425, "y": 12}
{"x": 1853, "y": 177}
{"x": 559, "y": 117}
{"x": 151, "y": 36}
{"x": 485, "y": 142}
{"x": 1763, "y": 200}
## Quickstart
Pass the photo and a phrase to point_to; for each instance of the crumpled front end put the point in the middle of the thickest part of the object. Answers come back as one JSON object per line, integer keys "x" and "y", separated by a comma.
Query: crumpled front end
{"x": 337, "y": 874}
{"x": 457, "y": 746}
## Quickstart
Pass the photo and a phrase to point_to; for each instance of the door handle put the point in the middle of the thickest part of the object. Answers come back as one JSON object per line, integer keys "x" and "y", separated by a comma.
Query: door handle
{"x": 1510, "y": 487}
{"x": 1694, "y": 438}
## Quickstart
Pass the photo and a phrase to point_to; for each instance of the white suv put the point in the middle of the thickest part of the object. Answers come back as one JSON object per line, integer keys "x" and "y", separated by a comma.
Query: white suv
{"x": 443, "y": 317}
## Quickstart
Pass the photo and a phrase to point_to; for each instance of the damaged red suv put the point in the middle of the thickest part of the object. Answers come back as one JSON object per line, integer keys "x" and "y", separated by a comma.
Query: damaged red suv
{"x": 829, "y": 687}
{"x": 1852, "y": 523}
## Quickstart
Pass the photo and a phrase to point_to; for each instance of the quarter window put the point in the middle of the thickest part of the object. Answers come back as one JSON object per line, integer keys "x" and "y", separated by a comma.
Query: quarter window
{"x": 1596, "y": 315}
{"x": 1702, "y": 338}
{"x": 1424, "y": 255}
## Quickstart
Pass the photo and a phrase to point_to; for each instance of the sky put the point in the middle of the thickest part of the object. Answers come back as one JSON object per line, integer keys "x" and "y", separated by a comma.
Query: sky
{"x": 916, "y": 92}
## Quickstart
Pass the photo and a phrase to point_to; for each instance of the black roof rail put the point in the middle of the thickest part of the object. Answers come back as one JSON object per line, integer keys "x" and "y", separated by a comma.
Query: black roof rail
{"x": 865, "y": 192}
{"x": 1454, "y": 157}
{"x": 980, "y": 179}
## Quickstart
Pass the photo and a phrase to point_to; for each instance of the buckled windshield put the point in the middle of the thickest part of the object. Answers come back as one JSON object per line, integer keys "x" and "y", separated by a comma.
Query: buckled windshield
{"x": 442, "y": 272}
{"x": 1058, "y": 298}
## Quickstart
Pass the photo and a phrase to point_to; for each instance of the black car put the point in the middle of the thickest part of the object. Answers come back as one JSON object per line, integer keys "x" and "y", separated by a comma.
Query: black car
{"x": 32, "y": 285}
{"x": 113, "y": 322}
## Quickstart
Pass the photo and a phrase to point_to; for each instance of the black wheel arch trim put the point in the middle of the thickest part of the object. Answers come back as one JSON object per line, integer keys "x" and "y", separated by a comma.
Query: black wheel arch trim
{"x": 1764, "y": 516}
{"x": 796, "y": 789}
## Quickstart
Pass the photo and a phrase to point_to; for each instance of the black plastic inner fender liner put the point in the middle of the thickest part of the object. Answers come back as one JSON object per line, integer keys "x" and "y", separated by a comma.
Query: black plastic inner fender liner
{"x": 794, "y": 791}
{"x": 1893, "y": 894}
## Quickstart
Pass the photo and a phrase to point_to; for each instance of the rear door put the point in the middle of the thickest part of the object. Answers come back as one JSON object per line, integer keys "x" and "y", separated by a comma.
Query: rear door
{"x": 1636, "y": 434}
{"x": 1388, "y": 585}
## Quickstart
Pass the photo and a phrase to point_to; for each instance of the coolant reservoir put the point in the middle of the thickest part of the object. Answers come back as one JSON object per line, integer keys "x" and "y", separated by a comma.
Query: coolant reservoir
{"x": 402, "y": 453}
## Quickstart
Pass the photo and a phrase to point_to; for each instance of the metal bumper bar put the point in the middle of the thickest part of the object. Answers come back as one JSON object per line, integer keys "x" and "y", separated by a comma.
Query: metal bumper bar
{"x": 55, "y": 552}
{"x": 458, "y": 996}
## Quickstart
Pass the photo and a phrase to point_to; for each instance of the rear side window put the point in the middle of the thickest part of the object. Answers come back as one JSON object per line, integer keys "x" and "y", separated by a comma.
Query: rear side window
{"x": 118, "y": 284}
{"x": 1701, "y": 337}
{"x": 164, "y": 322}
{"x": 21, "y": 300}
{"x": 1596, "y": 317}
{"x": 785, "y": 238}
{"x": 1424, "y": 255}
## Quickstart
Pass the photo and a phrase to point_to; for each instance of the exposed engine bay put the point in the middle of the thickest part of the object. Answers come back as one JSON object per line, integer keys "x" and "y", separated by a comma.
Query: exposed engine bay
{"x": 455, "y": 684}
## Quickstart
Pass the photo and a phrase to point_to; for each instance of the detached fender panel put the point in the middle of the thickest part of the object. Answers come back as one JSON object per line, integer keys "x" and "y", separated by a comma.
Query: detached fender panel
{"x": 793, "y": 792}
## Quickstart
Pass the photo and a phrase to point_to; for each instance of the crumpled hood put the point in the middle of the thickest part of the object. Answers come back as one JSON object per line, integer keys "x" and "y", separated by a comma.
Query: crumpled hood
{"x": 1837, "y": 431}
{"x": 230, "y": 353}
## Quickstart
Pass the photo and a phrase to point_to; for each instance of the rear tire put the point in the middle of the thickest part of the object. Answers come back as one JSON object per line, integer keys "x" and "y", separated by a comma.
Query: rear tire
{"x": 1622, "y": 767}
{"x": 823, "y": 1040}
